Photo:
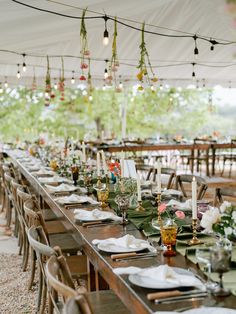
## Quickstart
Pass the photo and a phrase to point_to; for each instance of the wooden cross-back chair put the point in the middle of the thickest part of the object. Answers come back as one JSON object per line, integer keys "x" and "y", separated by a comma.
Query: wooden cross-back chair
{"x": 9, "y": 198}
{"x": 231, "y": 157}
{"x": 61, "y": 285}
{"x": 152, "y": 175}
{"x": 184, "y": 179}
{"x": 223, "y": 194}
{"x": 39, "y": 242}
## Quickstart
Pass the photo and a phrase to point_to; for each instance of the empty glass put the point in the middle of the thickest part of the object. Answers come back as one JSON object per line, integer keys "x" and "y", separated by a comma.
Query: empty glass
{"x": 220, "y": 263}
{"x": 203, "y": 256}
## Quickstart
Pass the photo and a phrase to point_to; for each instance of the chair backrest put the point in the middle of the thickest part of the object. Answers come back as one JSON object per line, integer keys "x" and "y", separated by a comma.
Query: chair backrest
{"x": 77, "y": 305}
{"x": 152, "y": 175}
{"x": 8, "y": 180}
{"x": 222, "y": 194}
{"x": 60, "y": 282}
{"x": 187, "y": 179}
{"x": 22, "y": 197}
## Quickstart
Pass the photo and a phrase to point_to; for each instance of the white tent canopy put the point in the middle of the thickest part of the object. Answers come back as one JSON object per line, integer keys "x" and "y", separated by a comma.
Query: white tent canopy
{"x": 29, "y": 31}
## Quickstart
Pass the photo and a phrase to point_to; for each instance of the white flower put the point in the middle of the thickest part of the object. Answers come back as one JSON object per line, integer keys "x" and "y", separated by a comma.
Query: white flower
{"x": 224, "y": 206}
{"x": 234, "y": 216}
{"x": 210, "y": 217}
{"x": 228, "y": 231}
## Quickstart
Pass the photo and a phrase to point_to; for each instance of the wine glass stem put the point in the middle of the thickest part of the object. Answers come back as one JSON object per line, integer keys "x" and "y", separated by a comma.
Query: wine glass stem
{"x": 221, "y": 280}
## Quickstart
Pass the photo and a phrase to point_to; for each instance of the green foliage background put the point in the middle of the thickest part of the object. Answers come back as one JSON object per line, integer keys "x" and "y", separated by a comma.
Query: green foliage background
{"x": 171, "y": 112}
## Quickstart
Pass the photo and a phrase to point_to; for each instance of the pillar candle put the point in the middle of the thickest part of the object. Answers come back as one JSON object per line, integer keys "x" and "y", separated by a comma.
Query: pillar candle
{"x": 139, "y": 188}
{"x": 98, "y": 164}
{"x": 84, "y": 153}
{"x": 122, "y": 166}
{"x": 194, "y": 198}
{"x": 104, "y": 162}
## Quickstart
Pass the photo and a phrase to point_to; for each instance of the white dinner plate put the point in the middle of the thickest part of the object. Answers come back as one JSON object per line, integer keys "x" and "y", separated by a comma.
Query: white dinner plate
{"x": 154, "y": 283}
{"x": 112, "y": 248}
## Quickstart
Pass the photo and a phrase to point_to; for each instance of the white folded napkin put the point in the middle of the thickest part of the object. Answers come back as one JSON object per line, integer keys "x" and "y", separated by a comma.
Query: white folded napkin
{"x": 163, "y": 273}
{"x": 95, "y": 214}
{"x": 54, "y": 179}
{"x": 43, "y": 171}
{"x": 171, "y": 192}
{"x": 60, "y": 188}
{"x": 180, "y": 205}
{"x": 73, "y": 198}
{"x": 128, "y": 241}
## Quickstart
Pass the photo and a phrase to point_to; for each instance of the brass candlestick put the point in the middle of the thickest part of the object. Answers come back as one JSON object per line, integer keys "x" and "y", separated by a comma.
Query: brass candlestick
{"x": 158, "y": 199}
{"x": 99, "y": 183}
{"x": 140, "y": 208}
{"x": 194, "y": 240}
{"x": 107, "y": 181}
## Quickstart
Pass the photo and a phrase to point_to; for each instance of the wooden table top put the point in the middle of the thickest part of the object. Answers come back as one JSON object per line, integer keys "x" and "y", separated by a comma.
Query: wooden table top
{"x": 165, "y": 146}
{"x": 132, "y": 296}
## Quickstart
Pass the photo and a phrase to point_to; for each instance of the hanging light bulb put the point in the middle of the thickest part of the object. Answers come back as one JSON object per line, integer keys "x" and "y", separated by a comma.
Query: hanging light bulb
{"x": 152, "y": 88}
{"x": 90, "y": 98}
{"x": 55, "y": 84}
{"x": 18, "y": 71}
{"x": 105, "y": 34}
{"x": 1, "y": 89}
{"x": 24, "y": 64}
{"x": 203, "y": 83}
{"x": 230, "y": 84}
{"x": 6, "y": 83}
{"x": 161, "y": 85}
{"x": 196, "y": 52}
{"x": 213, "y": 43}
{"x": 120, "y": 85}
{"x": 193, "y": 73}
{"x": 104, "y": 87}
{"x": 105, "y": 71}
{"x": 73, "y": 78}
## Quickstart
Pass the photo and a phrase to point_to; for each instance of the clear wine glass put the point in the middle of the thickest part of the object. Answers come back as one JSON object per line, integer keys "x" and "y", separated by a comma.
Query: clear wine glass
{"x": 203, "y": 256}
{"x": 220, "y": 263}
{"x": 122, "y": 200}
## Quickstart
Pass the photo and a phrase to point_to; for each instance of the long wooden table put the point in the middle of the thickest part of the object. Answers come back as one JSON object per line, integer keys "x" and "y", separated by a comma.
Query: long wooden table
{"x": 132, "y": 296}
{"x": 209, "y": 148}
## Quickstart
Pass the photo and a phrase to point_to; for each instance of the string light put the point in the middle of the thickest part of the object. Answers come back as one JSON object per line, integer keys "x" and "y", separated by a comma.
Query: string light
{"x": 1, "y": 89}
{"x": 196, "y": 52}
{"x": 161, "y": 84}
{"x": 213, "y": 43}
{"x": 105, "y": 34}
{"x": 203, "y": 83}
{"x": 73, "y": 77}
{"x": 193, "y": 73}
{"x": 18, "y": 71}
{"x": 152, "y": 88}
{"x": 55, "y": 83}
{"x": 24, "y": 64}
{"x": 230, "y": 84}
{"x": 6, "y": 83}
{"x": 90, "y": 98}
{"x": 105, "y": 71}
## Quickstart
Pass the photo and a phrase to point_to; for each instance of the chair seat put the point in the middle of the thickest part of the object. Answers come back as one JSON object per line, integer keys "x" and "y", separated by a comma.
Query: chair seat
{"x": 54, "y": 226}
{"x": 48, "y": 214}
{"x": 106, "y": 302}
{"x": 66, "y": 242}
{"x": 77, "y": 264}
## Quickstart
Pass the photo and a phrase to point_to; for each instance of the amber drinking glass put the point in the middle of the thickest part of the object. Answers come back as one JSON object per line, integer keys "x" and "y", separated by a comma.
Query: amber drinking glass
{"x": 103, "y": 196}
{"x": 168, "y": 236}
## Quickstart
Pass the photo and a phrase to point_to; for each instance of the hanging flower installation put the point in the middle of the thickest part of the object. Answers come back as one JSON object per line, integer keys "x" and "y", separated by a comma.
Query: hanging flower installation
{"x": 85, "y": 53}
{"x": 90, "y": 86}
{"x": 231, "y": 8}
{"x": 48, "y": 87}
{"x": 114, "y": 62}
{"x": 61, "y": 84}
{"x": 144, "y": 65}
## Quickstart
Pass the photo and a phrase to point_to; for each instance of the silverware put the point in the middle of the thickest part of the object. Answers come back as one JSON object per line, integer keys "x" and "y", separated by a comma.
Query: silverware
{"x": 189, "y": 297}
{"x": 170, "y": 294}
{"x": 144, "y": 256}
{"x": 103, "y": 224}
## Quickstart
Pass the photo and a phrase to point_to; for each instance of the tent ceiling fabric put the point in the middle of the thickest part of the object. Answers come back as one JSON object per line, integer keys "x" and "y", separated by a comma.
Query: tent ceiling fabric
{"x": 29, "y": 31}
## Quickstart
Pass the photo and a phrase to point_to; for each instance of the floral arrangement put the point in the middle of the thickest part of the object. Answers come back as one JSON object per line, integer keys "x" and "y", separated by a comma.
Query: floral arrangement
{"x": 173, "y": 214}
{"x": 114, "y": 168}
{"x": 85, "y": 53}
{"x": 222, "y": 220}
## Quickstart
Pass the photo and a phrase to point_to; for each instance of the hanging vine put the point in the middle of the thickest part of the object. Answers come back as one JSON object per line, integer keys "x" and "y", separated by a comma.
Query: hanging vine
{"x": 61, "y": 84}
{"x": 48, "y": 86}
{"x": 144, "y": 65}
{"x": 114, "y": 62}
{"x": 85, "y": 53}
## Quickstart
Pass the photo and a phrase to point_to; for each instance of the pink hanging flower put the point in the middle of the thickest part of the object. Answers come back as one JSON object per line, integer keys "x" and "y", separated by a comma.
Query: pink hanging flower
{"x": 162, "y": 208}
{"x": 179, "y": 214}
{"x": 83, "y": 66}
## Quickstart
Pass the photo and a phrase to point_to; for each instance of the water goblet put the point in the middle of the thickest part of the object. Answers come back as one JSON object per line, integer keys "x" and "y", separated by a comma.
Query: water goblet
{"x": 122, "y": 200}
{"x": 168, "y": 236}
{"x": 203, "y": 256}
{"x": 220, "y": 263}
{"x": 103, "y": 195}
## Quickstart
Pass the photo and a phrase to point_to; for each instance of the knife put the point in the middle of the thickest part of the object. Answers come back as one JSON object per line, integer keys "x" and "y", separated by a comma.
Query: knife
{"x": 182, "y": 297}
{"x": 103, "y": 224}
{"x": 173, "y": 293}
{"x": 143, "y": 256}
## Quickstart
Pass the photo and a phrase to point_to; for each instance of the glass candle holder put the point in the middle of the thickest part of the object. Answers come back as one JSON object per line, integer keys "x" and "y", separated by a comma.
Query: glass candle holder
{"x": 168, "y": 236}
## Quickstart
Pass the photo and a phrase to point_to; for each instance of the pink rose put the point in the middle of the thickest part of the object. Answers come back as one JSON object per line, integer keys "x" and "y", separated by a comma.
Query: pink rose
{"x": 179, "y": 214}
{"x": 162, "y": 208}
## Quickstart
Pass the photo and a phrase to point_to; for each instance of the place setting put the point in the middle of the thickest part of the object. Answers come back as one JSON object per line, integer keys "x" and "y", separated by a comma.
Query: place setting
{"x": 74, "y": 200}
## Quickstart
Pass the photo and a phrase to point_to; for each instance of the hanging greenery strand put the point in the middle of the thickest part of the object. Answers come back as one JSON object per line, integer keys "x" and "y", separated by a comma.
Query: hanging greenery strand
{"x": 84, "y": 46}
